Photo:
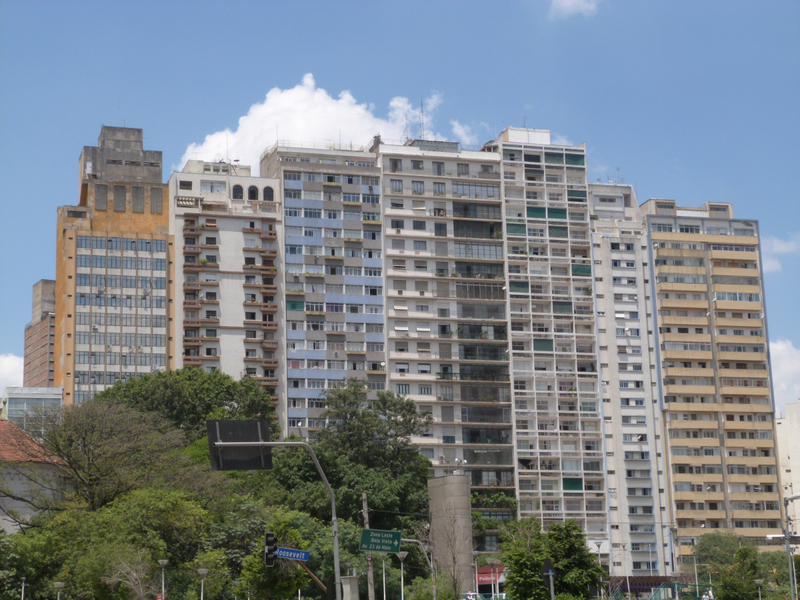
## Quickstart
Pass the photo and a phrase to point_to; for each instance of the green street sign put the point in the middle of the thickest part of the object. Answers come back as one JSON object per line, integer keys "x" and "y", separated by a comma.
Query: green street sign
{"x": 375, "y": 540}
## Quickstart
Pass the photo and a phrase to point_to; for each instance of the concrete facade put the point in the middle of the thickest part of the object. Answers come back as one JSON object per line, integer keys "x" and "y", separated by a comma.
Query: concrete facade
{"x": 225, "y": 225}
{"x": 787, "y": 429}
{"x": 113, "y": 269}
{"x": 714, "y": 380}
{"x": 451, "y": 527}
{"x": 39, "y": 369}
{"x": 333, "y": 280}
{"x": 631, "y": 414}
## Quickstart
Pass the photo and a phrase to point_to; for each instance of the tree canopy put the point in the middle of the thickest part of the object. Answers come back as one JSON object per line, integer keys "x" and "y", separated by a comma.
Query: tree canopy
{"x": 524, "y": 547}
{"x": 189, "y": 396}
{"x": 135, "y": 487}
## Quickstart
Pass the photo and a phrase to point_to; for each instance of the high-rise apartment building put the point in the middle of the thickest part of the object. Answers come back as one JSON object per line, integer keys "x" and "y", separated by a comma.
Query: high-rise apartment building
{"x": 787, "y": 429}
{"x": 631, "y": 411}
{"x": 333, "y": 277}
{"x": 40, "y": 337}
{"x": 447, "y": 329}
{"x": 713, "y": 372}
{"x": 225, "y": 225}
{"x": 113, "y": 269}
{"x": 582, "y": 357}
{"x": 558, "y": 433}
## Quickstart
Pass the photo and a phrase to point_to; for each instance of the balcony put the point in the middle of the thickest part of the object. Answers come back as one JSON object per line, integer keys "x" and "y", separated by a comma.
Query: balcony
{"x": 270, "y": 290}
{"x": 269, "y": 363}
{"x": 269, "y": 307}
{"x": 189, "y": 342}
{"x": 269, "y": 235}
{"x": 192, "y": 361}
{"x": 269, "y": 344}
{"x": 269, "y": 325}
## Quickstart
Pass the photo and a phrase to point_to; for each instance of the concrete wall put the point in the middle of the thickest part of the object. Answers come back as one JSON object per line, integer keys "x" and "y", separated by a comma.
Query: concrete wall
{"x": 789, "y": 456}
{"x": 451, "y": 527}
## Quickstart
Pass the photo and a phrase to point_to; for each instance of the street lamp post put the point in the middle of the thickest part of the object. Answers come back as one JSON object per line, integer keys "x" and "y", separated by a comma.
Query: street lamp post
{"x": 792, "y": 578}
{"x": 58, "y": 585}
{"x": 202, "y": 573}
{"x": 383, "y": 562}
{"x": 23, "y": 589}
{"x": 627, "y": 571}
{"x": 163, "y": 562}
{"x": 402, "y": 556}
{"x": 493, "y": 563}
{"x": 428, "y": 558}
{"x": 758, "y": 583}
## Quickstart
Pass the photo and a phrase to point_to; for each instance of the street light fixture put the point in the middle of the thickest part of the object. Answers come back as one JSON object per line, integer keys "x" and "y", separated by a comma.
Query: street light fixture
{"x": 758, "y": 583}
{"x": 494, "y": 562}
{"x": 58, "y": 585}
{"x": 427, "y": 558}
{"x": 163, "y": 562}
{"x": 202, "y": 573}
{"x": 402, "y": 556}
{"x": 23, "y": 588}
{"x": 383, "y": 561}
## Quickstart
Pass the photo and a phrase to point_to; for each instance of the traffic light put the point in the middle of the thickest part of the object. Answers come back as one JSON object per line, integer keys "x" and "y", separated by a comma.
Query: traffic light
{"x": 270, "y": 548}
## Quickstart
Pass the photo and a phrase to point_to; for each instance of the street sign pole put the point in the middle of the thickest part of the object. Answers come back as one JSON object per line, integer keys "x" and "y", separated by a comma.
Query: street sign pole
{"x": 334, "y": 521}
{"x": 547, "y": 571}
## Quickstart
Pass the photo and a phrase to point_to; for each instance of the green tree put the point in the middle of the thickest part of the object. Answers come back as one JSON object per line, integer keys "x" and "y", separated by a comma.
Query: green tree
{"x": 576, "y": 568}
{"x": 737, "y": 581}
{"x": 523, "y": 550}
{"x": 371, "y": 433}
{"x": 99, "y": 451}
{"x": 189, "y": 396}
{"x": 365, "y": 448}
{"x": 524, "y": 547}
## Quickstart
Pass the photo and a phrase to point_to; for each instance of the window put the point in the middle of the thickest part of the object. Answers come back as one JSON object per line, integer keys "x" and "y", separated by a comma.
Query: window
{"x": 238, "y": 192}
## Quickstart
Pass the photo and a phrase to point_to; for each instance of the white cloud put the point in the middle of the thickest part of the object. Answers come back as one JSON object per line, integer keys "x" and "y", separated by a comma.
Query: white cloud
{"x": 308, "y": 114}
{"x": 563, "y": 9}
{"x": 10, "y": 370}
{"x": 772, "y": 248}
{"x": 463, "y": 133}
{"x": 560, "y": 140}
{"x": 785, "y": 360}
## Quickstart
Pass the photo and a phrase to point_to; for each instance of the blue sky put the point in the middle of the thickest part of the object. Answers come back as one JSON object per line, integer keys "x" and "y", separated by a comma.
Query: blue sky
{"x": 694, "y": 101}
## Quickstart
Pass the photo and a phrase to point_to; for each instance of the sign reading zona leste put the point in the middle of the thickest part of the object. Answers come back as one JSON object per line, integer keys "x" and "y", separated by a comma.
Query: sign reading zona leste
{"x": 375, "y": 540}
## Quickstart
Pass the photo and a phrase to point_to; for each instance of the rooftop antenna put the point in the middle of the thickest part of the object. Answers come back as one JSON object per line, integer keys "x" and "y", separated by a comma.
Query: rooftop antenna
{"x": 421, "y": 120}
{"x": 406, "y": 132}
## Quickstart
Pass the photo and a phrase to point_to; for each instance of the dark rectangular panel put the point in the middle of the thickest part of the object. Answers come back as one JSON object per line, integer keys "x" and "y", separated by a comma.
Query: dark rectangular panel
{"x": 242, "y": 458}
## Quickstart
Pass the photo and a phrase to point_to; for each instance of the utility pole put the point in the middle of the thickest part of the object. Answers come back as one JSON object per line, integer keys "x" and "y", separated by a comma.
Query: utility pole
{"x": 370, "y": 574}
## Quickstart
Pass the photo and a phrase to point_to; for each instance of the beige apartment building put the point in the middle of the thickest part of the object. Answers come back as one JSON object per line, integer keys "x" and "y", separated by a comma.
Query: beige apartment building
{"x": 40, "y": 337}
{"x": 113, "y": 269}
{"x": 714, "y": 378}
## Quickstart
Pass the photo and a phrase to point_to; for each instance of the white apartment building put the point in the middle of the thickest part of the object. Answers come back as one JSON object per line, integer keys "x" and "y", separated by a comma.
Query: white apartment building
{"x": 787, "y": 429}
{"x": 640, "y": 536}
{"x": 225, "y": 225}
{"x": 446, "y": 326}
{"x": 559, "y": 463}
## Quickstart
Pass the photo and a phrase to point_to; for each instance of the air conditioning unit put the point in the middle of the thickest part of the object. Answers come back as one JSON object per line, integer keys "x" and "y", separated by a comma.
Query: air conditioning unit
{"x": 101, "y": 290}
{"x": 422, "y": 293}
{"x": 95, "y": 328}
{"x": 397, "y": 231}
{"x": 399, "y": 292}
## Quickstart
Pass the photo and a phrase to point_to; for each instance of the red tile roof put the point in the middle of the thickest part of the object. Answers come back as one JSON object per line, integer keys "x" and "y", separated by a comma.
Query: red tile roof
{"x": 18, "y": 446}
